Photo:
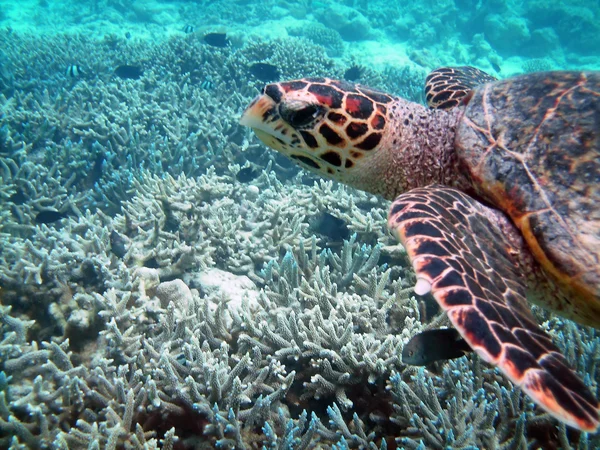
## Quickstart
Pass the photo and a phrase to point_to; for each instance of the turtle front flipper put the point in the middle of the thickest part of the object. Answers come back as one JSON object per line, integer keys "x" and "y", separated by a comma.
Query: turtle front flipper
{"x": 467, "y": 256}
{"x": 446, "y": 87}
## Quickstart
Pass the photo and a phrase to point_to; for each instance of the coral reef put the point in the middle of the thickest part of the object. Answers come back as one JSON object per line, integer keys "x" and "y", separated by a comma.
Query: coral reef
{"x": 177, "y": 302}
{"x": 321, "y": 35}
{"x": 154, "y": 358}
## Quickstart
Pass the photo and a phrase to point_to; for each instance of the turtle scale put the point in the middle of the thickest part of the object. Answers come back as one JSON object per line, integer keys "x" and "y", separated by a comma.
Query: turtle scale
{"x": 504, "y": 146}
{"x": 446, "y": 87}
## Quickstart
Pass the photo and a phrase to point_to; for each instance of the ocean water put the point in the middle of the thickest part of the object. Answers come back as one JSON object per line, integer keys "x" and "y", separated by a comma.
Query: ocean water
{"x": 168, "y": 281}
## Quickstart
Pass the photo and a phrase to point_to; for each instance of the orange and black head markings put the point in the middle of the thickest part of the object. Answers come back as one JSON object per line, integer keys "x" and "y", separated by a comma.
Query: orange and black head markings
{"x": 267, "y": 114}
{"x": 309, "y": 139}
{"x": 376, "y": 96}
{"x": 326, "y": 95}
{"x": 344, "y": 85}
{"x": 273, "y": 91}
{"x": 337, "y": 118}
{"x": 378, "y": 122}
{"x": 306, "y": 161}
{"x": 370, "y": 142}
{"x": 293, "y": 85}
{"x": 356, "y": 129}
{"x": 331, "y": 136}
{"x": 332, "y": 158}
{"x": 358, "y": 106}
{"x": 325, "y": 125}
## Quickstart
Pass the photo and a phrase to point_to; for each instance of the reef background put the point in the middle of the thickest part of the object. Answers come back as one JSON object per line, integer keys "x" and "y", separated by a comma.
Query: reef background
{"x": 201, "y": 291}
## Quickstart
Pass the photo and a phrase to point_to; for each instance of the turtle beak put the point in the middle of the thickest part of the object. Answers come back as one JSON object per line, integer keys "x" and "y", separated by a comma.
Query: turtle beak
{"x": 258, "y": 111}
{"x": 264, "y": 119}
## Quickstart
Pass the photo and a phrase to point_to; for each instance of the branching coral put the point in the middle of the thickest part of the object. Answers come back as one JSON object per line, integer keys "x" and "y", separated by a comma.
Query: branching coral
{"x": 321, "y": 35}
{"x": 117, "y": 329}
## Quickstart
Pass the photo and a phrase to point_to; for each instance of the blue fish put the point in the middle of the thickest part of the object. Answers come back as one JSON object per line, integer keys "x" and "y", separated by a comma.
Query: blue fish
{"x": 207, "y": 84}
{"x": 74, "y": 71}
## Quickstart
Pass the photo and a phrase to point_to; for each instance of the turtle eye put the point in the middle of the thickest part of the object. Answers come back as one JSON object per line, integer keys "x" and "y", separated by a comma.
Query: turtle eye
{"x": 300, "y": 117}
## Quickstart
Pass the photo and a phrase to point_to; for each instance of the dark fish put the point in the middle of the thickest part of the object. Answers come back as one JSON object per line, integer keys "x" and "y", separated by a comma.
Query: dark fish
{"x": 96, "y": 171}
{"x": 118, "y": 244}
{"x": 247, "y": 174}
{"x": 264, "y": 72}
{"x": 496, "y": 67}
{"x": 90, "y": 273}
{"x": 74, "y": 71}
{"x": 19, "y": 197}
{"x": 216, "y": 39}
{"x": 151, "y": 263}
{"x": 434, "y": 345}
{"x": 330, "y": 226}
{"x": 128, "y": 72}
{"x": 353, "y": 73}
{"x": 128, "y": 35}
{"x": 49, "y": 217}
{"x": 188, "y": 29}
{"x": 181, "y": 359}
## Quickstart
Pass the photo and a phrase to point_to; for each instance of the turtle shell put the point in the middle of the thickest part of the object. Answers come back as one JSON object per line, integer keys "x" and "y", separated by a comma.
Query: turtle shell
{"x": 531, "y": 146}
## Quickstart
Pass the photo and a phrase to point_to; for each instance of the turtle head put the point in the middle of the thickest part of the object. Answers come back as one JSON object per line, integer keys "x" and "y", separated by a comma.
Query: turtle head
{"x": 330, "y": 127}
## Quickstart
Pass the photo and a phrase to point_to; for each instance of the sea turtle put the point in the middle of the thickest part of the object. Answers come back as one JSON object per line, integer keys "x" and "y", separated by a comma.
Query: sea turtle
{"x": 497, "y": 199}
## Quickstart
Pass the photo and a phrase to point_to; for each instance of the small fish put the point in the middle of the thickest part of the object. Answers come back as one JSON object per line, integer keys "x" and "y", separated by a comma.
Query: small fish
{"x": 74, "y": 71}
{"x": 247, "y": 174}
{"x": 188, "y": 29}
{"x": 19, "y": 197}
{"x": 216, "y": 39}
{"x": 264, "y": 72}
{"x": 49, "y": 217}
{"x": 207, "y": 84}
{"x": 353, "y": 73}
{"x": 128, "y": 35}
{"x": 128, "y": 72}
{"x": 330, "y": 226}
{"x": 118, "y": 244}
{"x": 151, "y": 263}
{"x": 181, "y": 359}
{"x": 496, "y": 67}
{"x": 434, "y": 345}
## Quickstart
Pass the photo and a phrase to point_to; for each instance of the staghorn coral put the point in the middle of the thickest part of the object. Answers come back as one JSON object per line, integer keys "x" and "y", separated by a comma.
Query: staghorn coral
{"x": 113, "y": 125}
{"x": 183, "y": 366}
{"x": 302, "y": 342}
{"x": 294, "y": 57}
{"x": 537, "y": 65}
{"x": 321, "y": 35}
{"x": 328, "y": 326}
{"x": 110, "y": 334}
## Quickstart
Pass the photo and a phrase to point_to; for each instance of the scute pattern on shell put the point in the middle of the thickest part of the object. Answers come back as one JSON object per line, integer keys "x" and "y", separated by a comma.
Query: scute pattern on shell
{"x": 531, "y": 146}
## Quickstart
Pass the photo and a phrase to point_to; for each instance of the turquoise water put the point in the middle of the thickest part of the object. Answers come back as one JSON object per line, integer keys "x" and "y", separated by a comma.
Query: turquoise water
{"x": 167, "y": 281}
